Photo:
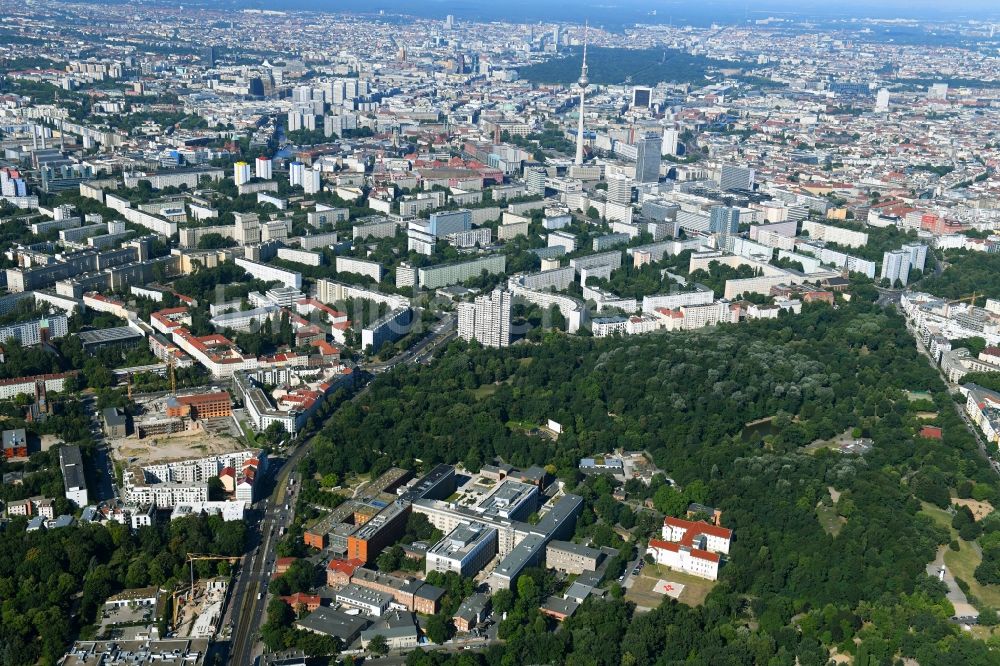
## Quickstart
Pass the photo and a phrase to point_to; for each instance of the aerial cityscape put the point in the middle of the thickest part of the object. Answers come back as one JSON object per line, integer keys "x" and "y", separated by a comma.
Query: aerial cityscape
{"x": 461, "y": 335}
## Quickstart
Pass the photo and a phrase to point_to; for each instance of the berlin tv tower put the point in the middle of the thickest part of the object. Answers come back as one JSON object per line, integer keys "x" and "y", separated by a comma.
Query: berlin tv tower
{"x": 583, "y": 82}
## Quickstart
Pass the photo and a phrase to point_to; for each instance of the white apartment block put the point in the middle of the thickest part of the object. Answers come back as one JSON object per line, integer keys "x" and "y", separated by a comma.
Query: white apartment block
{"x": 487, "y": 320}
{"x": 300, "y": 256}
{"x": 271, "y": 273}
{"x": 370, "y": 269}
{"x": 832, "y": 234}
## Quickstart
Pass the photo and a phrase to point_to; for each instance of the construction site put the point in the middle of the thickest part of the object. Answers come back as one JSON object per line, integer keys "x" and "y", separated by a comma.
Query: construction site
{"x": 176, "y": 426}
{"x": 199, "y": 607}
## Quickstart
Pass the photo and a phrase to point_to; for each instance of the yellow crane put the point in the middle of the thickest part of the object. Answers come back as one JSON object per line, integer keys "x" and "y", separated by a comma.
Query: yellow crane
{"x": 972, "y": 299}
{"x": 191, "y": 559}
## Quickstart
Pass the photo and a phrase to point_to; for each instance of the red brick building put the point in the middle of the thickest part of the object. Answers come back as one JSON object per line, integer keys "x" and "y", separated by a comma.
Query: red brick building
{"x": 201, "y": 406}
{"x": 310, "y": 601}
{"x": 339, "y": 572}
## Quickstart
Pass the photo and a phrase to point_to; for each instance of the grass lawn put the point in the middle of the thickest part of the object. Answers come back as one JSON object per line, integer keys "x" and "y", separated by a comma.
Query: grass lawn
{"x": 829, "y": 520}
{"x": 485, "y": 391}
{"x": 248, "y": 432}
{"x": 641, "y": 592}
{"x": 963, "y": 563}
{"x": 939, "y": 516}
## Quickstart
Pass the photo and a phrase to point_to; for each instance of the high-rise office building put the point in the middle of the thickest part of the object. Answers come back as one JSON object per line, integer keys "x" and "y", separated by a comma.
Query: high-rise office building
{"x": 241, "y": 173}
{"x": 619, "y": 188}
{"x": 487, "y": 320}
{"x": 535, "y": 180}
{"x": 734, "y": 177}
{"x": 449, "y": 22}
{"x": 208, "y": 56}
{"x": 255, "y": 87}
{"x": 882, "y": 101}
{"x": 647, "y": 159}
{"x": 642, "y": 97}
{"x": 938, "y": 91}
{"x": 723, "y": 220}
{"x": 263, "y": 167}
{"x": 669, "y": 146}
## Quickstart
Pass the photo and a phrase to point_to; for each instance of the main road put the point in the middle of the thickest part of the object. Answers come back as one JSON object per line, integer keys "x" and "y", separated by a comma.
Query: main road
{"x": 249, "y": 598}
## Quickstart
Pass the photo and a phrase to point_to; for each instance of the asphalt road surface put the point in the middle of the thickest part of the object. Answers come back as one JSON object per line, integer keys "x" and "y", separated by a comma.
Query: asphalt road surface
{"x": 248, "y": 603}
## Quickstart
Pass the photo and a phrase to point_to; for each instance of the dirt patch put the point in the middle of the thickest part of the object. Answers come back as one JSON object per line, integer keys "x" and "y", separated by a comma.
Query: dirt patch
{"x": 979, "y": 509}
{"x": 181, "y": 446}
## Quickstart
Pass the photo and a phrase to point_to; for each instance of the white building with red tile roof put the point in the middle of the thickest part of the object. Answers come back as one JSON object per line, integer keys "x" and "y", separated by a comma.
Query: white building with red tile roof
{"x": 691, "y": 547}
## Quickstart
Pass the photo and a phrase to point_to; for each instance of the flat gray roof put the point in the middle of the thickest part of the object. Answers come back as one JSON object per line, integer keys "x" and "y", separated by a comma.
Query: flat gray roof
{"x": 71, "y": 463}
{"x": 103, "y": 335}
{"x": 334, "y": 623}
{"x": 575, "y": 548}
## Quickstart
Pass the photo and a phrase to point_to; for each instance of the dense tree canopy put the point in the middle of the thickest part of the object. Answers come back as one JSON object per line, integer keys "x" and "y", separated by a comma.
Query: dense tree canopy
{"x": 792, "y": 590}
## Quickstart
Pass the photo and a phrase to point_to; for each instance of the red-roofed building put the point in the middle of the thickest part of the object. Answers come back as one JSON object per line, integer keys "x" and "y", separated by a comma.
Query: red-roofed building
{"x": 228, "y": 478}
{"x": 282, "y": 564}
{"x": 326, "y": 350}
{"x": 165, "y": 321}
{"x": 818, "y": 296}
{"x": 339, "y": 572}
{"x": 691, "y": 547}
{"x": 310, "y": 601}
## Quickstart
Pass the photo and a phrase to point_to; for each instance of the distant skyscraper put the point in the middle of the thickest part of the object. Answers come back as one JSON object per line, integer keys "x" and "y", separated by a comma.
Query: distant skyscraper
{"x": 208, "y": 55}
{"x": 619, "y": 188}
{"x": 641, "y": 97}
{"x": 255, "y": 87}
{"x": 296, "y": 173}
{"x": 555, "y": 37}
{"x": 263, "y": 168}
{"x": 918, "y": 255}
{"x": 734, "y": 177}
{"x": 583, "y": 82}
{"x": 882, "y": 101}
{"x": 669, "y": 146}
{"x": 487, "y": 320}
{"x": 724, "y": 220}
{"x": 312, "y": 181}
{"x": 535, "y": 180}
{"x": 896, "y": 266}
{"x": 938, "y": 91}
{"x": 241, "y": 173}
{"x": 449, "y": 22}
{"x": 647, "y": 159}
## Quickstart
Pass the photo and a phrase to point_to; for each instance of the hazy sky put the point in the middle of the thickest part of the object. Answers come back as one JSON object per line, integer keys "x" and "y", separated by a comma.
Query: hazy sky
{"x": 679, "y": 11}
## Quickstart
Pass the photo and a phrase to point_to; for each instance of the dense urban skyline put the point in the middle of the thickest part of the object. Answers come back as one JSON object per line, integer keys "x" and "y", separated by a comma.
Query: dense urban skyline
{"x": 454, "y": 334}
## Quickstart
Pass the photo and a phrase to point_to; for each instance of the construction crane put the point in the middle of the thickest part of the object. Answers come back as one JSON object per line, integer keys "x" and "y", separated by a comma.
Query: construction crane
{"x": 191, "y": 559}
{"x": 971, "y": 299}
{"x": 173, "y": 375}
